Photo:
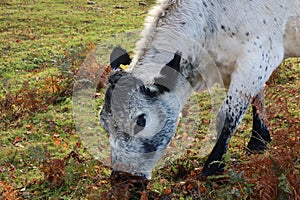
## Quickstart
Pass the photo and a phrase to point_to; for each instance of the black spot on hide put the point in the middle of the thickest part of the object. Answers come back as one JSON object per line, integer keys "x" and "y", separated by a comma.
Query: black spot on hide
{"x": 112, "y": 80}
{"x": 149, "y": 147}
{"x": 115, "y": 77}
{"x": 159, "y": 89}
{"x": 182, "y": 23}
{"x": 223, "y": 27}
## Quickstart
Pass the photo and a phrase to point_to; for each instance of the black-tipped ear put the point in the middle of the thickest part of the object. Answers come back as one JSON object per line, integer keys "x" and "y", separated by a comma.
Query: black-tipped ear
{"x": 175, "y": 62}
{"x": 119, "y": 57}
{"x": 169, "y": 75}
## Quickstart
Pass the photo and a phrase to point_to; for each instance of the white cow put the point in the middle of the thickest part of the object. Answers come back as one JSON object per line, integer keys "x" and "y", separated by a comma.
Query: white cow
{"x": 189, "y": 45}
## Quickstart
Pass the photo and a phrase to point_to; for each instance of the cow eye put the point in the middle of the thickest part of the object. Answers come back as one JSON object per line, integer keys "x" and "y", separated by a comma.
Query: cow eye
{"x": 140, "y": 123}
{"x": 141, "y": 120}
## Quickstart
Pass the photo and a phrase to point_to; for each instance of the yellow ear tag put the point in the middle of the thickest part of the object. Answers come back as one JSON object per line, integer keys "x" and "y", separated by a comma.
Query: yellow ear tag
{"x": 124, "y": 67}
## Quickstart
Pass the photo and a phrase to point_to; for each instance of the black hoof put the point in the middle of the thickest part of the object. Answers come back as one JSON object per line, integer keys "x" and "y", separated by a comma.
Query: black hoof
{"x": 260, "y": 135}
{"x": 212, "y": 168}
{"x": 258, "y": 142}
{"x": 256, "y": 146}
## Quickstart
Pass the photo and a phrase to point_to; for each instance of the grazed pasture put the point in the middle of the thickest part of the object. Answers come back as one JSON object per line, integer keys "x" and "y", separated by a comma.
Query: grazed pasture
{"x": 44, "y": 43}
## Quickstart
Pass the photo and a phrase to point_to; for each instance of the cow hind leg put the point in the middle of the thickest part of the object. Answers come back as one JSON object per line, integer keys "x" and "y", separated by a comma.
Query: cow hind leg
{"x": 260, "y": 132}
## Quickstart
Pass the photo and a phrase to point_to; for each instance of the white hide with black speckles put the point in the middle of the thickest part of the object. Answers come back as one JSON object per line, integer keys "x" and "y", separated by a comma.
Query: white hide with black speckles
{"x": 245, "y": 40}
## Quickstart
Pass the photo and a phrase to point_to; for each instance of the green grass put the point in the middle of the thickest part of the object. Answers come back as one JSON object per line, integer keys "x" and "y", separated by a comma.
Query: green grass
{"x": 43, "y": 45}
{"x": 34, "y": 33}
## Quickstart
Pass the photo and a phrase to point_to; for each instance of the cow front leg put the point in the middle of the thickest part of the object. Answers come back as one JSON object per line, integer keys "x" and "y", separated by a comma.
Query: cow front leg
{"x": 260, "y": 132}
{"x": 247, "y": 81}
{"x": 229, "y": 117}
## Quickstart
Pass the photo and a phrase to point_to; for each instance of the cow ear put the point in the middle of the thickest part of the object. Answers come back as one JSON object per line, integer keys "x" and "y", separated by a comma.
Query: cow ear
{"x": 119, "y": 57}
{"x": 169, "y": 75}
{"x": 175, "y": 62}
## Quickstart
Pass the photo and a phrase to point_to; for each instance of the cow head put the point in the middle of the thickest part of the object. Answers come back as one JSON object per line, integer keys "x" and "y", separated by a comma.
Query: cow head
{"x": 140, "y": 118}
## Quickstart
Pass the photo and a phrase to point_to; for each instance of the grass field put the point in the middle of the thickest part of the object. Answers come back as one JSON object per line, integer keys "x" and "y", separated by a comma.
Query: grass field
{"x": 44, "y": 46}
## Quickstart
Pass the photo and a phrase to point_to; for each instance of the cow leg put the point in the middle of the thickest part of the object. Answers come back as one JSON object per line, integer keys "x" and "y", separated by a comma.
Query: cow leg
{"x": 260, "y": 132}
{"x": 229, "y": 117}
{"x": 246, "y": 82}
